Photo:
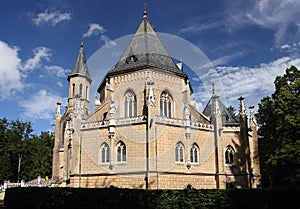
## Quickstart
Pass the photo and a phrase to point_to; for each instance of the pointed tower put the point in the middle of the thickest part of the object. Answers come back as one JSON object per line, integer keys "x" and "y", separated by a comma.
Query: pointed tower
{"x": 146, "y": 50}
{"x": 79, "y": 83}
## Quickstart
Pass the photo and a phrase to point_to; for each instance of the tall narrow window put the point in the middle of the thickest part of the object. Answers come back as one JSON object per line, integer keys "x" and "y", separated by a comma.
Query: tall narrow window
{"x": 73, "y": 90}
{"x": 165, "y": 105}
{"x": 179, "y": 152}
{"x": 130, "y": 105}
{"x": 194, "y": 153}
{"x": 80, "y": 90}
{"x": 105, "y": 153}
{"x": 121, "y": 152}
{"x": 86, "y": 92}
{"x": 229, "y": 155}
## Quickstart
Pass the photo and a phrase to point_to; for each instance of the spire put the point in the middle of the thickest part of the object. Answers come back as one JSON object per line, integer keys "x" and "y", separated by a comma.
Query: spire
{"x": 145, "y": 11}
{"x": 145, "y": 49}
{"x": 80, "y": 66}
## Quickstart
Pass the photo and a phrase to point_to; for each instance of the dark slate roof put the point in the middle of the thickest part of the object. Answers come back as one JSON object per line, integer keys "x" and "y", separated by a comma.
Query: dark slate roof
{"x": 80, "y": 67}
{"x": 145, "y": 50}
{"x": 227, "y": 117}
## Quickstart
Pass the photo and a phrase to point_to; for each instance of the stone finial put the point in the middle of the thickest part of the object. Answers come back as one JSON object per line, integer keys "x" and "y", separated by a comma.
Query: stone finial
{"x": 58, "y": 108}
{"x": 145, "y": 11}
{"x": 187, "y": 112}
{"x": 113, "y": 108}
{"x": 242, "y": 106}
{"x": 252, "y": 116}
{"x": 97, "y": 101}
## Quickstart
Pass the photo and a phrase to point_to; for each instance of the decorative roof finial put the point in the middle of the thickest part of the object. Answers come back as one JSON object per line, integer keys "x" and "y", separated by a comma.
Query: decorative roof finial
{"x": 242, "y": 106}
{"x": 213, "y": 88}
{"x": 81, "y": 40}
{"x": 145, "y": 11}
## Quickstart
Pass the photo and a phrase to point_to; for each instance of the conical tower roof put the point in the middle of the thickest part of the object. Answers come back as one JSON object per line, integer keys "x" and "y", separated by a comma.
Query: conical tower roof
{"x": 145, "y": 50}
{"x": 80, "y": 67}
{"x": 227, "y": 117}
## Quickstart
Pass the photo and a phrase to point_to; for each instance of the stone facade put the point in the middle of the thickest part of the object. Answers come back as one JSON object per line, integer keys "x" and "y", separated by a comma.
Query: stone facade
{"x": 144, "y": 131}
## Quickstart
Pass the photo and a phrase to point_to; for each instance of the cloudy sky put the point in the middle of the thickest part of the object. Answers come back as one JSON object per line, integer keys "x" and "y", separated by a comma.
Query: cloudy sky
{"x": 248, "y": 43}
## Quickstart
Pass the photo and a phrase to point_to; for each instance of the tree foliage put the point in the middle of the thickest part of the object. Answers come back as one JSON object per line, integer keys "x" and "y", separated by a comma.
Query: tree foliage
{"x": 23, "y": 156}
{"x": 279, "y": 125}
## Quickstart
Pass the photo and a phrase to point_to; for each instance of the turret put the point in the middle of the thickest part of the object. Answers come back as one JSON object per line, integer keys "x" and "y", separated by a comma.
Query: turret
{"x": 58, "y": 143}
{"x": 79, "y": 83}
{"x": 216, "y": 119}
{"x": 244, "y": 140}
{"x": 254, "y": 152}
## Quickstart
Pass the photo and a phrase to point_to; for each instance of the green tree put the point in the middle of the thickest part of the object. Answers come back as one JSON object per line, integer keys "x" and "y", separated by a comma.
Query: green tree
{"x": 22, "y": 154}
{"x": 5, "y": 171}
{"x": 279, "y": 124}
{"x": 17, "y": 132}
{"x": 38, "y": 156}
{"x": 232, "y": 111}
{"x": 12, "y": 135}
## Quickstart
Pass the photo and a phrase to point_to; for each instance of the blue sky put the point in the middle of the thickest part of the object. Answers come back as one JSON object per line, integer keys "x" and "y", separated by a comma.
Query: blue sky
{"x": 248, "y": 42}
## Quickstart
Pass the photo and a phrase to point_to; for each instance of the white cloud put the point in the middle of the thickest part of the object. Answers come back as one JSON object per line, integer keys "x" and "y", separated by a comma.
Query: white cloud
{"x": 10, "y": 76}
{"x": 253, "y": 83}
{"x": 57, "y": 71}
{"x": 107, "y": 41}
{"x": 40, "y": 53}
{"x": 59, "y": 83}
{"x": 292, "y": 48}
{"x": 94, "y": 29}
{"x": 278, "y": 15}
{"x": 51, "y": 18}
{"x": 246, "y": 81}
{"x": 224, "y": 59}
{"x": 41, "y": 105}
{"x": 199, "y": 27}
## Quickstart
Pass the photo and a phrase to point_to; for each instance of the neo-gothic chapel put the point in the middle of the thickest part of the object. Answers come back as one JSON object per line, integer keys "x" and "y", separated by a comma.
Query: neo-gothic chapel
{"x": 145, "y": 132}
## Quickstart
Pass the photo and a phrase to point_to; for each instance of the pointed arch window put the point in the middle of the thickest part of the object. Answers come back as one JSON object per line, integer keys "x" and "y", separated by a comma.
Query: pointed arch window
{"x": 194, "y": 153}
{"x": 86, "y": 92}
{"x": 105, "y": 153}
{"x": 121, "y": 152}
{"x": 165, "y": 105}
{"x": 179, "y": 152}
{"x": 229, "y": 155}
{"x": 80, "y": 89}
{"x": 130, "y": 105}
{"x": 73, "y": 90}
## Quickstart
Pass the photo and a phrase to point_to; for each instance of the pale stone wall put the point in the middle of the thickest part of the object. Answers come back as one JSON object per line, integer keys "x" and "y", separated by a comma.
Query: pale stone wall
{"x": 164, "y": 173}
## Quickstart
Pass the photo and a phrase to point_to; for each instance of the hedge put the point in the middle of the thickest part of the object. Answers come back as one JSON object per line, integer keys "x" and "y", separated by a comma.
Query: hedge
{"x": 83, "y": 198}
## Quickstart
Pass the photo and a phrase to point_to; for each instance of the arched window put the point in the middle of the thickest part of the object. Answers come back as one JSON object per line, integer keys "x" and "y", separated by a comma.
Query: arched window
{"x": 229, "y": 155}
{"x": 165, "y": 105}
{"x": 130, "y": 108}
{"x": 194, "y": 153}
{"x": 73, "y": 90}
{"x": 121, "y": 152}
{"x": 179, "y": 152}
{"x": 86, "y": 92}
{"x": 80, "y": 90}
{"x": 105, "y": 153}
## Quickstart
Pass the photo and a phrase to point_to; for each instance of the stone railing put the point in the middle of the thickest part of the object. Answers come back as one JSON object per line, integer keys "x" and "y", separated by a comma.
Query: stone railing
{"x": 115, "y": 122}
{"x": 94, "y": 124}
{"x": 182, "y": 123}
{"x": 142, "y": 119}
